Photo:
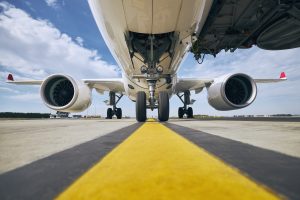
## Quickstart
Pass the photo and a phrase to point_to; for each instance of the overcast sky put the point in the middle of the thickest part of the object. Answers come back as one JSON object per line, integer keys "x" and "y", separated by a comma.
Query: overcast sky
{"x": 39, "y": 38}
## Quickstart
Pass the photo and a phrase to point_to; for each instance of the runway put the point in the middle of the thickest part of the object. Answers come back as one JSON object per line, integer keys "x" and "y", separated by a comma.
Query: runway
{"x": 122, "y": 159}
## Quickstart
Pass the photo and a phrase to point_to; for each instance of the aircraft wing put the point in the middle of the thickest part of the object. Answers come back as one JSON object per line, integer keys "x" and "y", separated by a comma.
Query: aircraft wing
{"x": 102, "y": 85}
{"x": 281, "y": 78}
{"x": 185, "y": 84}
{"x": 10, "y": 79}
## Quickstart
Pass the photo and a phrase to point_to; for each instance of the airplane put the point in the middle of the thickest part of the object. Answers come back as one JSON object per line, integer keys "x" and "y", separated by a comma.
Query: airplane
{"x": 150, "y": 38}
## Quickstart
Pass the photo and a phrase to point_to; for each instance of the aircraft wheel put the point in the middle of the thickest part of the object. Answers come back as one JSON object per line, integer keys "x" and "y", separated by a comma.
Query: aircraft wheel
{"x": 163, "y": 106}
{"x": 119, "y": 113}
{"x": 140, "y": 106}
{"x": 190, "y": 112}
{"x": 109, "y": 113}
{"x": 180, "y": 112}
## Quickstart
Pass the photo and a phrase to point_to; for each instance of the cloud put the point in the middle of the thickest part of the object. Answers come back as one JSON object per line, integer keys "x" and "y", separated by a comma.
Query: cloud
{"x": 35, "y": 48}
{"x": 52, "y": 3}
{"x": 26, "y": 97}
{"x": 256, "y": 62}
{"x": 6, "y": 89}
{"x": 79, "y": 40}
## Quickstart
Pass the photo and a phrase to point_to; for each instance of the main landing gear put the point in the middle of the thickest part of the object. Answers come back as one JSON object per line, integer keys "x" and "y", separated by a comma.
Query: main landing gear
{"x": 114, "y": 110}
{"x": 186, "y": 101}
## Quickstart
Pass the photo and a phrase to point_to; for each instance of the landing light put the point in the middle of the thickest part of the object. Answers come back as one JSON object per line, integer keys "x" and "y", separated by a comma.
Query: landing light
{"x": 159, "y": 69}
{"x": 144, "y": 69}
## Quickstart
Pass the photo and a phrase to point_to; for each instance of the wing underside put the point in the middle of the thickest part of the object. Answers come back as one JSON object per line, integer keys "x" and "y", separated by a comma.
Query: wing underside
{"x": 197, "y": 85}
{"x": 102, "y": 85}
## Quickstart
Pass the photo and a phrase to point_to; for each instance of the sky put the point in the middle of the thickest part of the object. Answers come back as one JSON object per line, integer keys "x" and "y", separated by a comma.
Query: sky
{"x": 39, "y": 38}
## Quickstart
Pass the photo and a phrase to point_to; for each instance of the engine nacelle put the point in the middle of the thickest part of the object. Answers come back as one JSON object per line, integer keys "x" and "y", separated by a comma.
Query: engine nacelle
{"x": 63, "y": 93}
{"x": 232, "y": 91}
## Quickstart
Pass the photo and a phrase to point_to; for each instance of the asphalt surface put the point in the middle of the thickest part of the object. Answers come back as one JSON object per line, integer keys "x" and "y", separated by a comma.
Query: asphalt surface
{"x": 276, "y": 170}
{"x": 265, "y": 119}
{"x": 25, "y": 141}
{"x": 48, "y": 173}
{"x": 280, "y": 136}
{"x": 47, "y": 177}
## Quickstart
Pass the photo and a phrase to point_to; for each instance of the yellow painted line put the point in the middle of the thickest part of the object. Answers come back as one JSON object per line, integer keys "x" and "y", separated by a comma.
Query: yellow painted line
{"x": 156, "y": 163}
{"x": 151, "y": 120}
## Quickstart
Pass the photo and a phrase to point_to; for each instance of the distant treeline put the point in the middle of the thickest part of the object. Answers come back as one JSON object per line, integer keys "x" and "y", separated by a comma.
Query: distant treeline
{"x": 24, "y": 115}
{"x": 282, "y": 115}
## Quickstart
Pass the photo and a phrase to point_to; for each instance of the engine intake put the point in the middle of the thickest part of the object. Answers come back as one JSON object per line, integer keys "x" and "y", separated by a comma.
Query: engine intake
{"x": 232, "y": 91}
{"x": 59, "y": 91}
{"x": 63, "y": 93}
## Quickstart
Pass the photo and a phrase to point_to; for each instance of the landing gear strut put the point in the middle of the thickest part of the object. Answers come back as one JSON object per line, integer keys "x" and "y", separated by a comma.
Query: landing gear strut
{"x": 162, "y": 101}
{"x": 186, "y": 101}
{"x": 114, "y": 110}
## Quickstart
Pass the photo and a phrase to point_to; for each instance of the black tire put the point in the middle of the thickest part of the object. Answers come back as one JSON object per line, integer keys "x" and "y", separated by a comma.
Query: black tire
{"x": 109, "y": 113}
{"x": 180, "y": 112}
{"x": 163, "y": 106}
{"x": 140, "y": 106}
{"x": 190, "y": 112}
{"x": 119, "y": 113}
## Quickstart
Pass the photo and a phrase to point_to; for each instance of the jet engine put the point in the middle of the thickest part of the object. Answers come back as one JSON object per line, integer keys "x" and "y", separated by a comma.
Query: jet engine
{"x": 63, "y": 93}
{"x": 232, "y": 91}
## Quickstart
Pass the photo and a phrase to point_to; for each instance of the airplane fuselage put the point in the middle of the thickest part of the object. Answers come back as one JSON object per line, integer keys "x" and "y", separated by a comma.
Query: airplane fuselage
{"x": 149, "y": 34}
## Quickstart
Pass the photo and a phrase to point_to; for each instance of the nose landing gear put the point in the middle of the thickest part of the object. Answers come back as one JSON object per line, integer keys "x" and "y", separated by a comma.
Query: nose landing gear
{"x": 141, "y": 106}
{"x": 163, "y": 106}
